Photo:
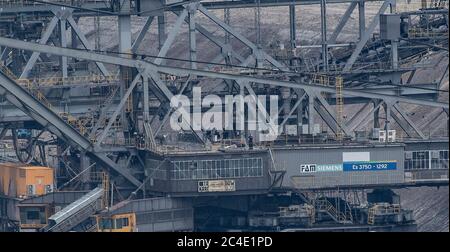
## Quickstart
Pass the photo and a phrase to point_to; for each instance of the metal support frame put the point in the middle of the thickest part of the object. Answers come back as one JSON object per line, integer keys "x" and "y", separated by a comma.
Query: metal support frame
{"x": 178, "y": 71}
{"x": 142, "y": 32}
{"x": 408, "y": 120}
{"x": 361, "y": 18}
{"x": 362, "y": 42}
{"x": 330, "y": 119}
{"x": 170, "y": 38}
{"x": 118, "y": 109}
{"x": 32, "y": 61}
{"x": 192, "y": 8}
{"x": 292, "y": 26}
{"x": 50, "y": 120}
{"x": 86, "y": 44}
{"x": 63, "y": 38}
{"x": 323, "y": 25}
{"x": 360, "y": 118}
{"x": 342, "y": 23}
{"x": 161, "y": 31}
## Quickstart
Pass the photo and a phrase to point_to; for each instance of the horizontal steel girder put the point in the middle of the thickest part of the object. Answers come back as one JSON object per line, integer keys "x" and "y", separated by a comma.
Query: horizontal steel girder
{"x": 178, "y": 71}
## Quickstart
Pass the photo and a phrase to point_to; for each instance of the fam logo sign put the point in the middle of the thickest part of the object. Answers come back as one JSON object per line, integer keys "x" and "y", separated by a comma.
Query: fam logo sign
{"x": 308, "y": 168}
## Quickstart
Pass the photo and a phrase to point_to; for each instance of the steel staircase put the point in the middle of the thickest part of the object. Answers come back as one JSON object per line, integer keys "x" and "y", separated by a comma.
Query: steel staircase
{"x": 324, "y": 205}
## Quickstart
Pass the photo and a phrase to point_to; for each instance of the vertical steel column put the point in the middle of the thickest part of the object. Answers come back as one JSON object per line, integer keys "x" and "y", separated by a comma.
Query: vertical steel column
{"x": 362, "y": 18}
{"x": 394, "y": 53}
{"x": 161, "y": 31}
{"x": 376, "y": 115}
{"x": 292, "y": 26}
{"x": 310, "y": 113}
{"x": 84, "y": 164}
{"x": 124, "y": 19}
{"x": 97, "y": 32}
{"x": 63, "y": 39}
{"x": 226, "y": 17}
{"x": 259, "y": 57}
{"x": 387, "y": 122}
{"x": 192, "y": 38}
{"x": 300, "y": 113}
{"x": 146, "y": 99}
{"x": 258, "y": 23}
{"x": 323, "y": 23}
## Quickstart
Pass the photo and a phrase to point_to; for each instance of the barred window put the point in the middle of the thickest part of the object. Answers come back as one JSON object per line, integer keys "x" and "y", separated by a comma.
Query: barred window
{"x": 419, "y": 160}
{"x": 217, "y": 169}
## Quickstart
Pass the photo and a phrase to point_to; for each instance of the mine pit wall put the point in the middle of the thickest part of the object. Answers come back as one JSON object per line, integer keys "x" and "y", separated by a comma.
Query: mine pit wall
{"x": 324, "y": 167}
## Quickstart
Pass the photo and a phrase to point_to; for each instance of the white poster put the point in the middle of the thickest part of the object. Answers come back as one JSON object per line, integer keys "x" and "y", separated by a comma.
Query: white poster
{"x": 355, "y": 156}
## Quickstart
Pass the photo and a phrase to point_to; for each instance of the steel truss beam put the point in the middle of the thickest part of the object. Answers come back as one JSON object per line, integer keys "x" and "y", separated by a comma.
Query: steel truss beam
{"x": 142, "y": 33}
{"x": 362, "y": 42}
{"x": 342, "y": 23}
{"x": 178, "y": 71}
{"x": 408, "y": 121}
{"x": 19, "y": 97}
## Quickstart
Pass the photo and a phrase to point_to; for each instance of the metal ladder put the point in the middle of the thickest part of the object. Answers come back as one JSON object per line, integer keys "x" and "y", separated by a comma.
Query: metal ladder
{"x": 339, "y": 108}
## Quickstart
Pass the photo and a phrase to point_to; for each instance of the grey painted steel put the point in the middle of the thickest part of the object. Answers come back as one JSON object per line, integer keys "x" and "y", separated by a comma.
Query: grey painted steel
{"x": 408, "y": 120}
{"x": 323, "y": 25}
{"x": 118, "y": 109}
{"x": 361, "y": 111}
{"x": 192, "y": 8}
{"x": 19, "y": 97}
{"x": 63, "y": 38}
{"x": 77, "y": 205}
{"x": 13, "y": 43}
{"x": 241, "y": 38}
{"x": 342, "y": 23}
{"x": 75, "y": 213}
{"x": 363, "y": 118}
{"x": 86, "y": 44}
{"x": 296, "y": 105}
{"x": 159, "y": 214}
{"x": 330, "y": 111}
{"x": 48, "y": 31}
{"x": 57, "y": 198}
{"x": 292, "y": 26}
{"x": 292, "y": 158}
{"x": 361, "y": 18}
{"x": 142, "y": 33}
{"x": 362, "y": 42}
{"x": 171, "y": 38}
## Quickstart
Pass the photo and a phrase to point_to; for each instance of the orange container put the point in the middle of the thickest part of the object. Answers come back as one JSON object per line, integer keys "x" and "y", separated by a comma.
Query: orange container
{"x": 21, "y": 181}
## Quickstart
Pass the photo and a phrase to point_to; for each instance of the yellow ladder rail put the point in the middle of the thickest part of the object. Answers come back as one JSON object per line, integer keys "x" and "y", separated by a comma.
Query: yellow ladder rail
{"x": 105, "y": 185}
{"x": 339, "y": 108}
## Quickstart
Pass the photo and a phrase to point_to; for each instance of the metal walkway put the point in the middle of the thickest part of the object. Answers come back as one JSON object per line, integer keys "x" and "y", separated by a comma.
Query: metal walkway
{"x": 49, "y": 120}
{"x": 76, "y": 212}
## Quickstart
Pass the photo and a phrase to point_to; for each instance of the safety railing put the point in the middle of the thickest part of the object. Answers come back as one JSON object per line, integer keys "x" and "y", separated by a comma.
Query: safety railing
{"x": 325, "y": 205}
{"x": 55, "y": 81}
{"x": 417, "y": 32}
{"x": 31, "y": 88}
{"x": 15, "y": 3}
{"x": 382, "y": 209}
